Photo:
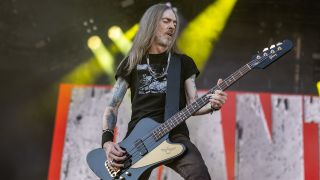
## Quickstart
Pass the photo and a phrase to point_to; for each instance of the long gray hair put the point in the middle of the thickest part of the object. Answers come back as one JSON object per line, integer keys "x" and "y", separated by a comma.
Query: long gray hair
{"x": 146, "y": 35}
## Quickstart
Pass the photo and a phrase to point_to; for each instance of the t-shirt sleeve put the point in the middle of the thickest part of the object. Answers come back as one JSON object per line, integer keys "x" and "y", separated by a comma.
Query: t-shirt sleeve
{"x": 189, "y": 67}
{"x": 122, "y": 71}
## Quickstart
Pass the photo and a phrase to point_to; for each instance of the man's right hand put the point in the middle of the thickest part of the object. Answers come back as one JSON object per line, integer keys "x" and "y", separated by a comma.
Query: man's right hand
{"x": 115, "y": 154}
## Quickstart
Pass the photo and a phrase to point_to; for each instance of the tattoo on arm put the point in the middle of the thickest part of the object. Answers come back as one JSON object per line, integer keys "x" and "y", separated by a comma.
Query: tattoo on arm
{"x": 110, "y": 114}
{"x": 193, "y": 79}
{"x": 192, "y": 95}
{"x": 119, "y": 90}
{"x": 111, "y": 120}
{"x": 191, "y": 90}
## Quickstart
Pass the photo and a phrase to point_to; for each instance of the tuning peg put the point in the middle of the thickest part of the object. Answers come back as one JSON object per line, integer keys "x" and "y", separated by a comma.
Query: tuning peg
{"x": 279, "y": 43}
{"x": 272, "y": 46}
{"x": 265, "y": 49}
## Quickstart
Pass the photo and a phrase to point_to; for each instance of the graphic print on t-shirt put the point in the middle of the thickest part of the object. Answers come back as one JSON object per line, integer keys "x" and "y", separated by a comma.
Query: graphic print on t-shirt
{"x": 147, "y": 83}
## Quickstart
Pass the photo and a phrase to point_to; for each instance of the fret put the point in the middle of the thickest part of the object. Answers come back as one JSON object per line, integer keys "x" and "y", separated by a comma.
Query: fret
{"x": 248, "y": 66}
{"x": 233, "y": 78}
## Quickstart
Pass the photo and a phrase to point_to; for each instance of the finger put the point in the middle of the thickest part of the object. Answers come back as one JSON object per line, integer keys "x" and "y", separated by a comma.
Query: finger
{"x": 219, "y": 92}
{"x": 220, "y": 98}
{"x": 219, "y": 81}
{"x": 117, "y": 158}
{"x": 216, "y": 96}
{"x": 115, "y": 165}
{"x": 221, "y": 95}
{"x": 215, "y": 103}
{"x": 119, "y": 148}
{"x": 116, "y": 152}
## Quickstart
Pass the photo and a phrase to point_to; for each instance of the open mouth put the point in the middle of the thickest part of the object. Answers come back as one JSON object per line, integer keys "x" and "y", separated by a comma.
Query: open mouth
{"x": 169, "y": 34}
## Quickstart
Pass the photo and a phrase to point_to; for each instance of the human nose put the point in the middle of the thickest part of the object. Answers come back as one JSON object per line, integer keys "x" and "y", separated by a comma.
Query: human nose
{"x": 172, "y": 25}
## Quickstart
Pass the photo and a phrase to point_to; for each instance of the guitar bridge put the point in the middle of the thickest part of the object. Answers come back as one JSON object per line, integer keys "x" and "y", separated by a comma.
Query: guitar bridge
{"x": 112, "y": 172}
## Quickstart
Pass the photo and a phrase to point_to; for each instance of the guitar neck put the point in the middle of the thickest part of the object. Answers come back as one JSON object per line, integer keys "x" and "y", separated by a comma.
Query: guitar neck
{"x": 189, "y": 110}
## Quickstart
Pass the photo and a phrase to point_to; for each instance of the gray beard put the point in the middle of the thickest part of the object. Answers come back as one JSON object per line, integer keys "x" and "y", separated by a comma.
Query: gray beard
{"x": 164, "y": 41}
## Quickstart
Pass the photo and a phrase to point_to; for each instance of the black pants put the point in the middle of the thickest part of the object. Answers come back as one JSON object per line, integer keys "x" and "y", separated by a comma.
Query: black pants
{"x": 190, "y": 165}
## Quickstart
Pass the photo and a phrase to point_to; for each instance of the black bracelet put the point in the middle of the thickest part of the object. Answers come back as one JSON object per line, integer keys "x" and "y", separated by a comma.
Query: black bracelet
{"x": 107, "y": 135}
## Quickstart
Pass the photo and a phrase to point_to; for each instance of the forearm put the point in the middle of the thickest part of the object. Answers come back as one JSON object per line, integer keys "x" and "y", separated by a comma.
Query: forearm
{"x": 109, "y": 119}
{"x": 192, "y": 96}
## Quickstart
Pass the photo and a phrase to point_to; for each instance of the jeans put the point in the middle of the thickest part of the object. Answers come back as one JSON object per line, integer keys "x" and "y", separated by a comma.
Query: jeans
{"x": 190, "y": 165}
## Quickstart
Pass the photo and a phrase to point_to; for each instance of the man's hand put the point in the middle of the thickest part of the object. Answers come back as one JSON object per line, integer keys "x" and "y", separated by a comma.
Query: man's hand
{"x": 115, "y": 154}
{"x": 218, "y": 99}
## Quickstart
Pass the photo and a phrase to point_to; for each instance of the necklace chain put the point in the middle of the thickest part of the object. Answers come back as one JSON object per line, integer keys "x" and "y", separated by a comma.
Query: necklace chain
{"x": 154, "y": 74}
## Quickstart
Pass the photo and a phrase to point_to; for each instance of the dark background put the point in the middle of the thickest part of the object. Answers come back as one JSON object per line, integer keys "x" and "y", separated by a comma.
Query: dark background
{"x": 43, "y": 40}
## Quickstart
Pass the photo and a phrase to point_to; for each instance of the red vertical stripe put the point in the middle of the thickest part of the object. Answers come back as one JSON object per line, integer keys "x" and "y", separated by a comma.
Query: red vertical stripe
{"x": 160, "y": 172}
{"x": 115, "y": 132}
{"x": 311, "y": 151}
{"x": 59, "y": 131}
{"x": 265, "y": 99}
{"x": 228, "y": 115}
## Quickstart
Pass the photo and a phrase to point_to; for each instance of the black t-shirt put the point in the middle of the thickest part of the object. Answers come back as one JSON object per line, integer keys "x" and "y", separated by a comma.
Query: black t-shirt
{"x": 148, "y": 93}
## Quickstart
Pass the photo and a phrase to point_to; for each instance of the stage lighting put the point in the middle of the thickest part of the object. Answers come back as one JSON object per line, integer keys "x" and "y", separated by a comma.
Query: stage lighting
{"x": 318, "y": 86}
{"x": 131, "y": 32}
{"x": 101, "y": 53}
{"x": 116, "y": 35}
{"x": 199, "y": 37}
{"x": 90, "y": 70}
{"x": 94, "y": 42}
{"x": 115, "y": 32}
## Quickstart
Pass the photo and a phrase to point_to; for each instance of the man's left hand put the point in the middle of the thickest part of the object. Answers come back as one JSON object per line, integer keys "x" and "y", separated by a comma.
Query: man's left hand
{"x": 218, "y": 99}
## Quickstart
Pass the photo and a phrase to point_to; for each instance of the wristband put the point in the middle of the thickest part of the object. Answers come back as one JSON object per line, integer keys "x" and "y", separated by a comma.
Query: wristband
{"x": 107, "y": 135}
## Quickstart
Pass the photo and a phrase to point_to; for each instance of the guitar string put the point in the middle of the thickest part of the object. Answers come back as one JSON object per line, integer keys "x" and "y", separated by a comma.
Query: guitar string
{"x": 145, "y": 138}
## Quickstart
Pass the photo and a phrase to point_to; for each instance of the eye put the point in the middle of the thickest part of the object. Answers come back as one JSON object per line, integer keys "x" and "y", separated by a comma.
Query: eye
{"x": 165, "y": 20}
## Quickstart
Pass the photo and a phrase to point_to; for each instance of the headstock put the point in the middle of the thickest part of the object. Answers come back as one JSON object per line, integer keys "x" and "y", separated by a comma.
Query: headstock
{"x": 271, "y": 54}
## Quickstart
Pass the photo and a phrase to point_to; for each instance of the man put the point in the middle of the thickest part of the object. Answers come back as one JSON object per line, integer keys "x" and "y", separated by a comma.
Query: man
{"x": 144, "y": 71}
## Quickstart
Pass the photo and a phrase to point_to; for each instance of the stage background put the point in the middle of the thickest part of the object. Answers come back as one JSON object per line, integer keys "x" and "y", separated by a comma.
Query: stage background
{"x": 42, "y": 43}
{"x": 255, "y": 136}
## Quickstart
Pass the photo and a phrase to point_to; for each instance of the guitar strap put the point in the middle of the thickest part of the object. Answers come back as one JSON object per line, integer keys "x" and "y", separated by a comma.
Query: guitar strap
{"x": 173, "y": 87}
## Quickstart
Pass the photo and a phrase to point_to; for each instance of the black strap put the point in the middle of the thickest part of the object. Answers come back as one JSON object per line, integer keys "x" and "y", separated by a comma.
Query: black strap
{"x": 173, "y": 87}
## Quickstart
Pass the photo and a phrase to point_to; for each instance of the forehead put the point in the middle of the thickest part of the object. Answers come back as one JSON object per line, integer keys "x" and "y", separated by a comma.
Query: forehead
{"x": 169, "y": 14}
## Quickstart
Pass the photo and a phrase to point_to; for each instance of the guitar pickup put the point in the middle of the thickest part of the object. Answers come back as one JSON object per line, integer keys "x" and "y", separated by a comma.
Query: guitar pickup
{"x": 127, "y": 162}
{"x": 141, "y": 147}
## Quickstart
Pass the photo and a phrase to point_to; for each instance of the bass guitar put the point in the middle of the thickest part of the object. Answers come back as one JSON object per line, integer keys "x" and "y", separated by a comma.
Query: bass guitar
{"x": 148, "y": 144}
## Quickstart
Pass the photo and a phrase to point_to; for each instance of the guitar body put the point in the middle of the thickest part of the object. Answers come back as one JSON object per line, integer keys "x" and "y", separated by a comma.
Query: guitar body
{"x": 158, "y": 152}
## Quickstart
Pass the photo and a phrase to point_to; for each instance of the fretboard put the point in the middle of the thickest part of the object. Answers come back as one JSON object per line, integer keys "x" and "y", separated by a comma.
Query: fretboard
{"x": 189, "y": 110}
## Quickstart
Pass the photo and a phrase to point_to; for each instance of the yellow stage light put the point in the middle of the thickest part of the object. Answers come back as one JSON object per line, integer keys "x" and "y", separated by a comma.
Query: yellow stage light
{"x": 84, "y": 73}
{"x": 120, "y": 40}
{"x": 132, "y": 32}
{"x": 102, "y": 62}
{"x": 199, "y": 37}
{"x": 94, "y": 42}
{"x": 115, "y": 32}
{"x": 318, "y": 86}
{"x": 101, "y": 53}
